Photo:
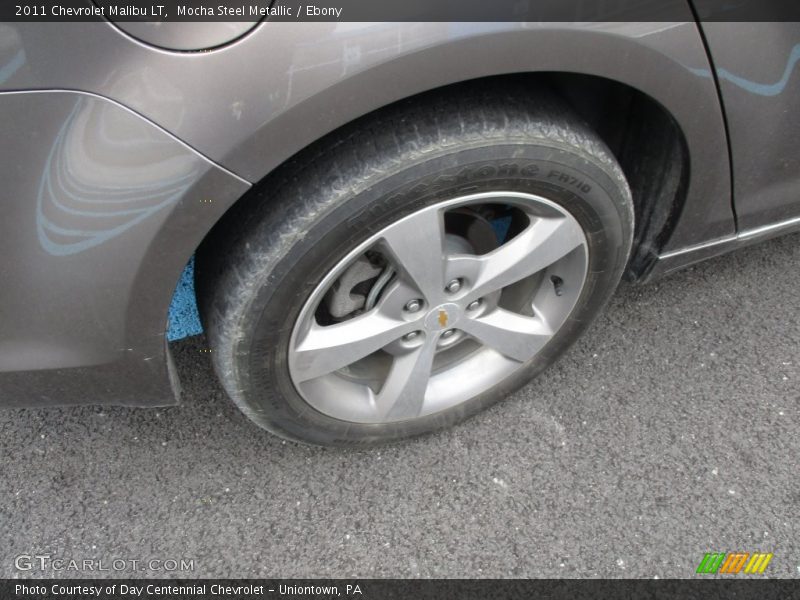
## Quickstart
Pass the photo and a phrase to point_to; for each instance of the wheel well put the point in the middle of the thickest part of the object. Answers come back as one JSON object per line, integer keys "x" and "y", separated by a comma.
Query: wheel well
{"x": 640, "y": 132}
{"x": 650, "y": 148}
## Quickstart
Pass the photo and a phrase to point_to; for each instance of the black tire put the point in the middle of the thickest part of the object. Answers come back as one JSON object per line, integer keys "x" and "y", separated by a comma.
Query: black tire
{"x": 261, "y": 265}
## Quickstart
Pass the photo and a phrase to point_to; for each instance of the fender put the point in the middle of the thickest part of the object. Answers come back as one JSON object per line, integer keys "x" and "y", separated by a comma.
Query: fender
{"x": 92, "y": 194}
{"x": 295, "y": 82}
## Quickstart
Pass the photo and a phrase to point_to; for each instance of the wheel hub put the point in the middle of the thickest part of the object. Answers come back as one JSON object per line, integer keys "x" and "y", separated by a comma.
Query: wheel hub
{"x": 443, "y": 317}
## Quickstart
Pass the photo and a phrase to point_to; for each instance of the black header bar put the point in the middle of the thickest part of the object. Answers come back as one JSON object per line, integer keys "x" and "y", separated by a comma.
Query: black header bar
{"x": 398, "y": 10}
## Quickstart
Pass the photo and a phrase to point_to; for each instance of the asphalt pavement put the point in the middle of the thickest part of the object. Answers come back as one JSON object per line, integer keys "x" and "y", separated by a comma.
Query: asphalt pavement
{"x": 670, "y": 430}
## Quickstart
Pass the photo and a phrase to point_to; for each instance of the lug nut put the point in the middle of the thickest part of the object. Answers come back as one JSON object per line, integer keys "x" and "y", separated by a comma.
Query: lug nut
{"x": 448, "y": 333}
{"x": 453, "y": 286}
{"x": 474, "y": 305}
{"x": 413, "y": 306}
{"x": 411, "y": 336}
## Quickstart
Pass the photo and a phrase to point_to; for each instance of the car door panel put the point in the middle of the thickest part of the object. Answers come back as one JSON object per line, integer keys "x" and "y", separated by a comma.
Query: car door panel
{"x": 756, "y": 66}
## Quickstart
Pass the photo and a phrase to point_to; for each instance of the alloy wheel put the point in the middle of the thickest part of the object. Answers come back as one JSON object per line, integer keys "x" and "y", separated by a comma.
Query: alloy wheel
{"x": 438, "y": 307}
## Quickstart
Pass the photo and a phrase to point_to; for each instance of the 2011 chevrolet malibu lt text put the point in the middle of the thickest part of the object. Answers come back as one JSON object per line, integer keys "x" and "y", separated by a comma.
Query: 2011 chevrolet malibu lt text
{"x": 384, "y": 227}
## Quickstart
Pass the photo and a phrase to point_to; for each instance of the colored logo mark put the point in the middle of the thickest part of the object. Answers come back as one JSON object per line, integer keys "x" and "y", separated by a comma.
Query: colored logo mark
{"x": 734, "y": 562}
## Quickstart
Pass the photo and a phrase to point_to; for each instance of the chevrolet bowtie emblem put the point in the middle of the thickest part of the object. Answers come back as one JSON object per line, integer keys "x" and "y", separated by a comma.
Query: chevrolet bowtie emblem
{"x": 443, "y": 318}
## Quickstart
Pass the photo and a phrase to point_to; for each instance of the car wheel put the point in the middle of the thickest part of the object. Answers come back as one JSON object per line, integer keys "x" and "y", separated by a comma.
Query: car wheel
{"x": 416, "y": 267}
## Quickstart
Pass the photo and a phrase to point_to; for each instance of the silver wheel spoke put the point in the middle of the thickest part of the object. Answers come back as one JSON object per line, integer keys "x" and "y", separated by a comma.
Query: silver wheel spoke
{"x": 415, "y": 242}
{"x": 540, "y": 245}
{"x": 511, "y": 334}
{"x": 327, "y": 349}
{"x": 403, "y": 393}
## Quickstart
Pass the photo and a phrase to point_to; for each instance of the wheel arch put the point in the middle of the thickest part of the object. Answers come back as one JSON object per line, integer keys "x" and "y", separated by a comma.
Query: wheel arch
{"x": 665, "y": 113}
